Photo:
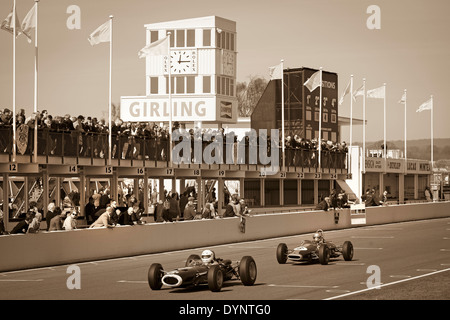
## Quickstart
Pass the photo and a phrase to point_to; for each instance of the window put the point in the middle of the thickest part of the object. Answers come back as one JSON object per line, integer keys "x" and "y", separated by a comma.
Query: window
{"x": 316, "y": 116}
{"x": 225, "y": 86}
{"x": 325, "y": 135}
{"x": 190, "y": 84}
{"x": 179, "y": 84}
{"x": 181, "y": 42}
{"x": 333, "y": 137}
{"x": 308, "y": 134}
{"x": 206, "y": 84}
{"x": 206, "y": 38}
{"x": 153, "y": 85}
{"x": 325, "y": 117}
{"x": 153, "y": 36}
{"x": 308, "y": 115}
{"x": 190, "y": 38}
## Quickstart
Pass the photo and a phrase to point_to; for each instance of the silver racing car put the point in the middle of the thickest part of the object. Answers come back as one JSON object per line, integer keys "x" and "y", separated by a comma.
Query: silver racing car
{"x": 204, "y": 270}
{"x": 316, "y": 250}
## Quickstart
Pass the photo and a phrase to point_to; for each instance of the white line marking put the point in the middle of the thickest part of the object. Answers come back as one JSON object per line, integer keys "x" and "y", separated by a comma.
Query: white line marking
{"x": 337, "y": 291}
{"x": 349, "y": 264}
{"x": 368, "y": 248}
{"x": 400, "y": 276}
{"x": 132, "y": 281}
{"x": 19, "y": 280}
{"x": 426, "y": 270}
{"x": 445, "y": 250}
{"x": 387, "y": 284}
{"x": 299, "y": 286}
{"x": 369, "y": 237}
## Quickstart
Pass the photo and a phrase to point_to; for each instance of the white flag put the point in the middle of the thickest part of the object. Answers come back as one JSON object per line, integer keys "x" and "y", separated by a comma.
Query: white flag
{"x": 346, "y": 92}
{"x": 313, "y": 82}
{"x": 157, "y": 48}
{"x": 276, "y": 72}
{"x": 403, "y": 99}
{"x": 29, "y": 23}
{"x": 377, "y": 93}
{"x": 8, "y": 24}
{"x": 425, "y": 106}
{"x": 358, "y": 92}
{"x": 101, "y": 34}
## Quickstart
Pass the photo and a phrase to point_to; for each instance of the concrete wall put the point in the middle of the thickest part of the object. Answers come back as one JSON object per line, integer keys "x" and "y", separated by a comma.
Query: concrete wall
{"x": 68, "y": 247}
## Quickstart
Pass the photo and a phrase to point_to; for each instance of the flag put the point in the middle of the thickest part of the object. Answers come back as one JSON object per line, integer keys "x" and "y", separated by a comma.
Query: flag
{"x": 313, "y": 82}
{"x": 426, "y": 106}
{"x": 377, "y": 93}
{"x": 358, "y": 92}
{"x": 403, "y": 99}
{"x": 346, "y": 92}
{"x": 8, "y": 24}
{"x": 276, "y": 72}
{"x": 101, "y": 34}
{"x": 157, "y": 48}
{"x": 29, "y": 23}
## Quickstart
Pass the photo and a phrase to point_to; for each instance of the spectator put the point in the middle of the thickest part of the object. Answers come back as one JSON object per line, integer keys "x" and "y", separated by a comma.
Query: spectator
{"x": 105, "y": 220}
{"x": 243, "y": 208}
{"x": 104, "y": 199}
{"x": 189, "y": 210}
{"x": 127, "y": 217}
{"x": 343, "y": 200}
{"x": 2, "y": 224}
{"x": 89, "y": 210}
{"x": 323, "y": 204}
{"x": 35, "y": 224}
{"x": 427, "y": 193}
{"x": 57, "y": 221}
{"x": 22, "y": 226}
{"x": 159, "y": 211}
{"x": 385, "y": 197}
{"x": 70, "y": 223}
{"x": 174, "y": 209}
{"x": 230, "y": 210}
{"x": 183, "y": 202}
{"x": 96, "y": 196}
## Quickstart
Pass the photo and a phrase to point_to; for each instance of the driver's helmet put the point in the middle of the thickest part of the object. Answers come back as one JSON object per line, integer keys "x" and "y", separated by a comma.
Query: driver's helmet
{"x": 208, "y": 256}
{"x": 318, "y": 236}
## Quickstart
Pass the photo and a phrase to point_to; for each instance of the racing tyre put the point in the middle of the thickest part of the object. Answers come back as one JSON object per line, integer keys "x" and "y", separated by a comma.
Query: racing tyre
{"x": 155, "y": 275}
{"x": 215, "y": 278}
{"x": 282, "y": 253}
{"x": 324, "y": 254}
{"x": 347, "y": 251}
{"x": 192, "y": 258}
{"x": 247, "y": 271}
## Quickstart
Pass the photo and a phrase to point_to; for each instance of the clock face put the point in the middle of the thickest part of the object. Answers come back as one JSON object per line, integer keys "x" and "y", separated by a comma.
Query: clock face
{"x": 228, "y": 63}
{"x": 183, "y": 61}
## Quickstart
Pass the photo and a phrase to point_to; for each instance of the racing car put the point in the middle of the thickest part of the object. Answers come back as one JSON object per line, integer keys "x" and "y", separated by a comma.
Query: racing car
{"x": 316, "y": 250}
{"x": 204, "y": 270}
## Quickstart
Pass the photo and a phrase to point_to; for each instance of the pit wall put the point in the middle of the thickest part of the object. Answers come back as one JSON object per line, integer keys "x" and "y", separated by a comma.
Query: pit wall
{"x": 69, "y": 247}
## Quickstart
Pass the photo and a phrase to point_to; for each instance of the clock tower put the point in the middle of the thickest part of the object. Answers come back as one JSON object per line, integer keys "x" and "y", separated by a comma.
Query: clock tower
{"x": 201, "y": 67}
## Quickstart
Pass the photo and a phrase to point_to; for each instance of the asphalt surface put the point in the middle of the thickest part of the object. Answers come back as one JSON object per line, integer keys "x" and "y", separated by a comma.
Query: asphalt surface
{"x": 412, "y": 261}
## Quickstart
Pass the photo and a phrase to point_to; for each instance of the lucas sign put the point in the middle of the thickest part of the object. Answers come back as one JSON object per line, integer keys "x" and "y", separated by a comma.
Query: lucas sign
{"x": 143, "y": 109}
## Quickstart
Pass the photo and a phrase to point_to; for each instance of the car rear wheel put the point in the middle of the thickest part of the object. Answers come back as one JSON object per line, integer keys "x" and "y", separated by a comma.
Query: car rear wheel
{"x": 155, "y": 274}
{"x": 247, "y": 271}
{"x": 215, "y": 278}
{"x": 347, "y": 251}
{"x": 282, "y": 253}
{"x": 324, "y": 254}
{"x": 192, "y": 258}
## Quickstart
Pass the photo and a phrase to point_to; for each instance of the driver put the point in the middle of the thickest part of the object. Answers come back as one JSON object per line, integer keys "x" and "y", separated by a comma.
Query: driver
{"x": 318, "y": 237}
{"x": 208, "y": 257}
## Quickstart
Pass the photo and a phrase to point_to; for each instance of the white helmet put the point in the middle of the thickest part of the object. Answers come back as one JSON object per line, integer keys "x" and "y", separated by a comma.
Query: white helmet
{"x": 208, "y": 256}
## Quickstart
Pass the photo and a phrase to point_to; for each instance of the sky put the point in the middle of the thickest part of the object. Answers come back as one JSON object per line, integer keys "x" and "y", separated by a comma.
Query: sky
{"x": 410, "y": 51}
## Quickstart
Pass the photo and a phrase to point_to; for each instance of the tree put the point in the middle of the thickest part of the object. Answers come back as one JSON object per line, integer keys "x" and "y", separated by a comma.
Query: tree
{"x": 249, "y": 94}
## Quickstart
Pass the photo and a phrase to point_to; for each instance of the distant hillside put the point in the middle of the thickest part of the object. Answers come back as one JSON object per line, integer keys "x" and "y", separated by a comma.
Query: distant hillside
{"x": 417, "y": 149}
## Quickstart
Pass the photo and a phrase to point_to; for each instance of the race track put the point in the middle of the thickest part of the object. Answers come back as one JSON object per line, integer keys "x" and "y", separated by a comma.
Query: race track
{"x": 413, "y": 259}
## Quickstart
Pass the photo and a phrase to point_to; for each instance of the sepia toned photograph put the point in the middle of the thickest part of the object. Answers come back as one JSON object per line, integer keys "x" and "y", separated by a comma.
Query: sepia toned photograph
{"x": 224, "y": 158}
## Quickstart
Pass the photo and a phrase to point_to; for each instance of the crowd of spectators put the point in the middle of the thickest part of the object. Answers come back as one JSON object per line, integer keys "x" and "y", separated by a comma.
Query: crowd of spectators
{"x": 88, "y": 137}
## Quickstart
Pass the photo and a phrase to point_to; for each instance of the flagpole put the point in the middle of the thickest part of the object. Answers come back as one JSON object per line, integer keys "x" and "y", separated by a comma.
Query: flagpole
{"x": 384, "y": 129}
{"x": 364, "y": 126}
{"x": 320, "y": 122}
{"x": 35, "y": 81}
{"x": 406, "y": 154}
{"x": 14, "y": 82}
{"x": 110, "y": 88}
{"x": 282, "y": 117}
{"x": 432, "y": 138}
{"x": 170, "y": 99}
{"x": 351, "y": 125}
